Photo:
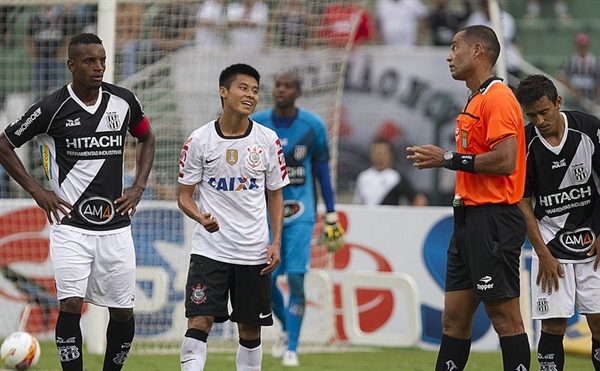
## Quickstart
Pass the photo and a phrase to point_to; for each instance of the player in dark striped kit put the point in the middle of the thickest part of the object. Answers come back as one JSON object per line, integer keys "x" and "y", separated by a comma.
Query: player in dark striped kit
{"x": 81, "y": 129}
{"x": 562, "y": 207}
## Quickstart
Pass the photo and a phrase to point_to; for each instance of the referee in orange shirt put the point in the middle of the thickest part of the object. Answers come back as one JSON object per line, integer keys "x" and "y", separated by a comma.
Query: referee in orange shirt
{"x": 489, "y": 227}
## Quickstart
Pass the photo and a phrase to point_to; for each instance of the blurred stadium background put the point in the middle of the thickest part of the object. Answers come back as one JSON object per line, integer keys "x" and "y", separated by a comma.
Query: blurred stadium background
{"x": 362, "y": 89}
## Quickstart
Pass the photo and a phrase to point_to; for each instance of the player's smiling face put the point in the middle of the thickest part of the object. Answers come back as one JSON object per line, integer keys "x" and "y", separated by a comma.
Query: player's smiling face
{"x": 242, "y": 95}
{"x": 88, "y": 66}
{"x": 546, "y": 116}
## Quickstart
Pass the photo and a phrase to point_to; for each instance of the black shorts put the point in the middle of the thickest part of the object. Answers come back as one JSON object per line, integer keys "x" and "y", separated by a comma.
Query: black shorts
{"x": 484, "y": 253}
{"x": 210, "y": 284}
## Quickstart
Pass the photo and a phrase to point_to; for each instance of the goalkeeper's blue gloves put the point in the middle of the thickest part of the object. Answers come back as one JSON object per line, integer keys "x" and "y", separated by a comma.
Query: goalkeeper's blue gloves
{"x": 332, "y": 235}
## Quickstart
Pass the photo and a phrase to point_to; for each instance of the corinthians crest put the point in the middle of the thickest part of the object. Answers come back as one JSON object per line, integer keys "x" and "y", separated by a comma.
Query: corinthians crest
{"x": 112, "y": 121}
{"x": 198, "y": 294}
{"x": 253, "y": 158}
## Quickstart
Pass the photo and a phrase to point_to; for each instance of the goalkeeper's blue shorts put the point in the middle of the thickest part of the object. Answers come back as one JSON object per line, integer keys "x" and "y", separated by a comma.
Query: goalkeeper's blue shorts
{"x": 295, "y": 248}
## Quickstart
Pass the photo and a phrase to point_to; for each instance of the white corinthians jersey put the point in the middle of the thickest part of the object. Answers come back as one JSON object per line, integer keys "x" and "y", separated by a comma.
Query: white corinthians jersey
{"x": 82, "y": 151}
{"x": 563, "y": 184}
{"x": 233, "y": 174}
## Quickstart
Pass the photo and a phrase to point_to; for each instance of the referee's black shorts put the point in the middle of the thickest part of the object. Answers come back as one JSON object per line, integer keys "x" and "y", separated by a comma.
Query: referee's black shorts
{"x": 484, "y": 253}
{"x": 211, "y": 284}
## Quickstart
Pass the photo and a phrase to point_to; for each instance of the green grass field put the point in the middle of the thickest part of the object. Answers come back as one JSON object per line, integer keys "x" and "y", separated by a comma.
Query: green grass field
{"x": 354, "y": 359}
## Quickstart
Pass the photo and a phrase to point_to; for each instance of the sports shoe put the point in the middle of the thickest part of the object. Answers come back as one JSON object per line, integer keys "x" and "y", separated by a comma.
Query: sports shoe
{"x": 280, "y": 346}
{"x": 290, "y": 359}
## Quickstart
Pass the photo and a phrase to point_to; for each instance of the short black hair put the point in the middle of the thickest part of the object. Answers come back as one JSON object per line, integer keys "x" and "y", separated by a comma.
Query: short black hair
{"x": 229, "y": 74}
{"x": 533, "y": 87}
{"x": 82, "y": 39}
{"x": 486, "y": 36}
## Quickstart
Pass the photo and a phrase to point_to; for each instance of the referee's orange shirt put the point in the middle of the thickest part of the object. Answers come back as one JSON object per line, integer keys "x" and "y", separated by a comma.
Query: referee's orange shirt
{"x": 491, "y": 116}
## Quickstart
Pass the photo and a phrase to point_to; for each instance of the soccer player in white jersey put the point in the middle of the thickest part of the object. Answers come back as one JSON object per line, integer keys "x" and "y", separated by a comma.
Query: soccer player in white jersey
{"x": 81, "y": 129}
{"x": 562, "y": 208}
{"x": 233, "y": 163}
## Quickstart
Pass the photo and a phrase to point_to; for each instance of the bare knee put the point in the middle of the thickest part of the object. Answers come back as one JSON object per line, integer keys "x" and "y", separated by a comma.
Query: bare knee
{"x": 505, "y": 315}
{"x": 248, "y": 332}
{"x": 71, "y": 305}
{"x": 121, "y": 314}
{"x": 457, "y": 325}
{"x": 202, "y": 323}
{"x": 593, "y": 321}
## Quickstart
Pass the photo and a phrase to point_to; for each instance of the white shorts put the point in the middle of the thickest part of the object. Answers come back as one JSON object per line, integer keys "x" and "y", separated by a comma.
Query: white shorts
{"x": 580, "y": 286}
{"x": 98, "y": 268}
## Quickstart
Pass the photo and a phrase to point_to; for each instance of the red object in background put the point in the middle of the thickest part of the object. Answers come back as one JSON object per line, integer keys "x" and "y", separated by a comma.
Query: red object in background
{"x": 338, "y": 22}
{"x": 389, "y": 130}
{"x": 22, "y": 240}
{"x": 375, "y": 306}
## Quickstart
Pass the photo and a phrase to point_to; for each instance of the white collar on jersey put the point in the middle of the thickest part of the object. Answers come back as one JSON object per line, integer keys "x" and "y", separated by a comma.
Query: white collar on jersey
{"x": 90, "y": 109}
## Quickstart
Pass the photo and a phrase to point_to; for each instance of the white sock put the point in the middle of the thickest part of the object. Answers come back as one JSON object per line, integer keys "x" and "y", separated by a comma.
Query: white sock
{"x": 192, "y": 354}
{"x": 248, "y": 359}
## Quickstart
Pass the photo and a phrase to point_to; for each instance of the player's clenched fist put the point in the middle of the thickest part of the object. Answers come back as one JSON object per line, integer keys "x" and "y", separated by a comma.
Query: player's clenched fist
{"x": 332, "y": 235}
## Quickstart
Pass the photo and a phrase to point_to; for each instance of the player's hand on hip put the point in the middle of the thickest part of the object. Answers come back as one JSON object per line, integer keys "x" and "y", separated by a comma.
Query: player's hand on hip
{"x": 209, "y": 222}
{"x": 595, "y": 250}
{"x": 273, "y": 259}
{"x": 127, "y": 203}
{"x": 426, "y": 156}
{"x": 55, "y": 207}
{"x": 332, "y": 235}
{"x": 550, "y": 271}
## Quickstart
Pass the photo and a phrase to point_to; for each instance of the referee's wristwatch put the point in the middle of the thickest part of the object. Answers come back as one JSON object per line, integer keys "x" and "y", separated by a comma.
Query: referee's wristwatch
{"x": 448, "y": 156}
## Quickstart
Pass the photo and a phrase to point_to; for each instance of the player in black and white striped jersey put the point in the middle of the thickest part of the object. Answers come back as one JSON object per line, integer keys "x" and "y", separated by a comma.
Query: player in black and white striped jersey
{"x": 81, "y": 129}
{"x": 562, "y": 207}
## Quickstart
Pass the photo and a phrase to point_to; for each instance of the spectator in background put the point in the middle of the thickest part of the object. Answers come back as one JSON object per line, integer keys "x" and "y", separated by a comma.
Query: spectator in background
{"x": 534, "y": 10}
{"x": 80, "y": 18}
{"x": 5, "y": 21}
{"x": 290, "y": 23}
{"x": 339, "y": 21}
{"x": 581, "y": 71}
{"x": 46, "y": 45}
{"x": 444, "y": 23}
{"x": 509, "y": 32}
{"x": 128, "y": 36}
{"x": 172, "y": 28}
{"x": 381, "y": 184}
{"x": 247, "y": 22}
{"x": 400, "y": 22}
{"x": 210, "y": 23}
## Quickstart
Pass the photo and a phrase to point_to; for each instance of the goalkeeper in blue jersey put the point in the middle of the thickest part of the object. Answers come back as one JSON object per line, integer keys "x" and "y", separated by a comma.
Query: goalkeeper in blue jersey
{"x": 304, "y": 139}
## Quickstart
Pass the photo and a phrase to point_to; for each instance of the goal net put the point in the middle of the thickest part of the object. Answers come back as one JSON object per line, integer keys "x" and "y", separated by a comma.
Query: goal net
{"x": 170, "y": 54}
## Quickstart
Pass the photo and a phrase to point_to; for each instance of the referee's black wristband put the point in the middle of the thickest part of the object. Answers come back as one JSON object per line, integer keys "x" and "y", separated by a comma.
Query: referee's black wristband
{"x": 464, "y": 162}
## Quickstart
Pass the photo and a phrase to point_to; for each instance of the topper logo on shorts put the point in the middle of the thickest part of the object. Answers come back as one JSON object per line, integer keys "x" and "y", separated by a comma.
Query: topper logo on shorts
{"x": 97, "y": 210}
